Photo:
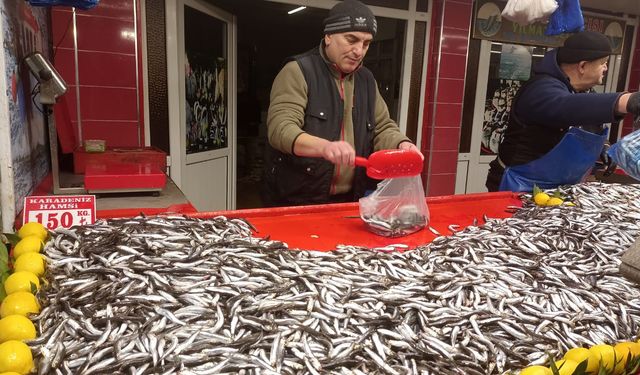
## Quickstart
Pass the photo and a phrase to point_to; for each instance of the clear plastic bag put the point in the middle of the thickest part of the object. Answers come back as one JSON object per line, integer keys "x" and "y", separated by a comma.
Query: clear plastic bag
{"x": 626, "y": 153}
{"x": 526, "y": 12}
{"x": 397, "y": 207}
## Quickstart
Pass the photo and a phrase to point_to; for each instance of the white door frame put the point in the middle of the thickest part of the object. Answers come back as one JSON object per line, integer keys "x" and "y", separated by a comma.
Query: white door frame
{"x": 175, "y": 75}
{"x": 473, "y": 159}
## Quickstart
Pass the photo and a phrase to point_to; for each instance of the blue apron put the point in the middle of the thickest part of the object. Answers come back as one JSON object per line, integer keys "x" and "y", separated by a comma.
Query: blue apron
{"x": 567, "y": 163}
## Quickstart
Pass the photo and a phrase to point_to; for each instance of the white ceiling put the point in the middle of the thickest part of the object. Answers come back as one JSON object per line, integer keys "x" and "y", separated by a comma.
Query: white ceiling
{"x": 621, "y": 6}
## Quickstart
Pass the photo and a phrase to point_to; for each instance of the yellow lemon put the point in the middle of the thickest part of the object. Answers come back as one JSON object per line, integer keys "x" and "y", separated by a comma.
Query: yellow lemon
{"x": 554, "y": 201}
{"x": 16, "y": 327}
{"x": 15, "y": 356}
{"x": 21, "y": 281}
{"x": 605, "y": 355}
{"x": 30, "y": 262}
{"x": 541, "y": 199}
{"x": 33, "y": 229}
{"x": 29, "y": 244}
{"x": 536, "y": 370}
{"x": 623, "y": 350}
{"x": 20, "y": 303}
{"x": 580, "y": 355}
{"x": 566, "y": 366}
{"x": 633, "y": 347}
{"x": 10, "y": 373}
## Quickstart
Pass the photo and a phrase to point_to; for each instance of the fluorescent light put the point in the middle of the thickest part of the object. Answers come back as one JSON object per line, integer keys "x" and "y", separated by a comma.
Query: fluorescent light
{"x": 296, "y": 10}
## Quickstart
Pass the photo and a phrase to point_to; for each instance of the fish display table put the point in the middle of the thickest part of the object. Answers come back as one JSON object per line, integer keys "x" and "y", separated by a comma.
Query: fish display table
{"x": 324, "y": 227}
{"x": 205, "y": 295}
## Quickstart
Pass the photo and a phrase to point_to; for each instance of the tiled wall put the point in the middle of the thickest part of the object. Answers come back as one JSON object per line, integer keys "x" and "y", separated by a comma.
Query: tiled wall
{"x": 634, "y": 81}
{"x": 451, "y": 21}
{"x": 105, "y": 80}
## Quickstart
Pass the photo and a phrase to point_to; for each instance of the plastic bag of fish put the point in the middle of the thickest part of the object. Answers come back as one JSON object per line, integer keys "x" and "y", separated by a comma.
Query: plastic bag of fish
{"x": 626, "y": 152}
{"x": 396, "y": 208}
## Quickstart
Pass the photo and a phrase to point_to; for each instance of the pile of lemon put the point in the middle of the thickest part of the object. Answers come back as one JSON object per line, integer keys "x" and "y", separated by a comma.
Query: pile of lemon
{"x": 619, "y": 359}
{"x": 20, "y": 301}
{"x": 541, "y": 198}
{"x": 544, "y": 199}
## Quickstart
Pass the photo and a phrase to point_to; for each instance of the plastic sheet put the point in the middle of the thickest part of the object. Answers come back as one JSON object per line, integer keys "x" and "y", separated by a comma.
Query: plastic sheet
{"x": 323, "y": 227}
{"x": 626, "y": 153}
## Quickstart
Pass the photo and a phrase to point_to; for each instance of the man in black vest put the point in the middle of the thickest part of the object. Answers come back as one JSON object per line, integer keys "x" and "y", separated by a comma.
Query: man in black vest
{"x": 325, "y": 109}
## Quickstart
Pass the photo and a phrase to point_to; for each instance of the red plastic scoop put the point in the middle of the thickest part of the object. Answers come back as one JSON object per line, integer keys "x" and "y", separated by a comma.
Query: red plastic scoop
{"x": 391, "y": 163}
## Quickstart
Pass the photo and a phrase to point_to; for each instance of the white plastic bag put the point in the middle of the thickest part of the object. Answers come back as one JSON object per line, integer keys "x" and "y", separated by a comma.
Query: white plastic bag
{"x": 526, "y": 12}
{"x": 397, "y": 207}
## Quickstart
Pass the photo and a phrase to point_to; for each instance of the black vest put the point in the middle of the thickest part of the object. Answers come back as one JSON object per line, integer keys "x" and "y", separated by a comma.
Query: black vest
{"x": 523, "y": 143}
{"x": 293, "y": 180}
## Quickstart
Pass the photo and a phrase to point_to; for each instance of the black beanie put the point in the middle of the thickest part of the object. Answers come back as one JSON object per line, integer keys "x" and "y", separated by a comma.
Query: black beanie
{"x": 584, "y": 46}
{"x": 350, "y": 15}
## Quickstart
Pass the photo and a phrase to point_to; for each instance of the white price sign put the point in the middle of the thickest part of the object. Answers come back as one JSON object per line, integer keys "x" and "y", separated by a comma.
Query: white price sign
{"x": 60, "y": 210}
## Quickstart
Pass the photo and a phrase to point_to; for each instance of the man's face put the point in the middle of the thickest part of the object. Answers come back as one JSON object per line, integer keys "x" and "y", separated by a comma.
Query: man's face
{"x": 595, "y": 70}
{"x": 347, "y": 50}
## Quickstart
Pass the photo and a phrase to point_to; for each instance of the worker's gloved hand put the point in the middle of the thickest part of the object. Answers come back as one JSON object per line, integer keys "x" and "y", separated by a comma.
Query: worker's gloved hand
{"x": 608, "y": 164}
{"x": 633, "y": 104}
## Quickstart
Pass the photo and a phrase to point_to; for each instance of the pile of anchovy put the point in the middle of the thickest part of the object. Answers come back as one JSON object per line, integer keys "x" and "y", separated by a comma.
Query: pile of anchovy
{"x": 166, "y": 295}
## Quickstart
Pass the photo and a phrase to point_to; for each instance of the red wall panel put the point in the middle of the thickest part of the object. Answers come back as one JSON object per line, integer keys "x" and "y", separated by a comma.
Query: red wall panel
{"x": 108, "y": 103}
{"x": 108, "y": 88}
{"x": 450, "y": 24}
{"x": 121, "y": 9}
{"x": 105, "y": 34}
{"x": 118, "y": 77}
{"x": 121, "y": 133}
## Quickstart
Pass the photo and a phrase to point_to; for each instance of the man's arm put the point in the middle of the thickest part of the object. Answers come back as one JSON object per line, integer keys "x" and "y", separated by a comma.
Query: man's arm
{"x": 287, "y": 105}
{"x": 338, "y": 152}
{"x": 547, "y": 102}
{"x": 285, "y": 121}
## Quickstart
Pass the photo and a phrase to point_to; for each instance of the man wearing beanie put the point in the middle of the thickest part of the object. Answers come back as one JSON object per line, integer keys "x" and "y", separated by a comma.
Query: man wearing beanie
{"x": 555, "y": 132}
{"x": 325, "y": 109}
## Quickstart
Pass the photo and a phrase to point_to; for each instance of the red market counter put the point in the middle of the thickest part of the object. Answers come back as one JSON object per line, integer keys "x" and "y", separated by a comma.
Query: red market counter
{"x": 323, "y": 227}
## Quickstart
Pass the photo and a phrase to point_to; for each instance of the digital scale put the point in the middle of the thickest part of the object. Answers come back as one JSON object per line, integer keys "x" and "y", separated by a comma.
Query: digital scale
{"x": 114, "y": 170}
{"x": 107, "y": 171}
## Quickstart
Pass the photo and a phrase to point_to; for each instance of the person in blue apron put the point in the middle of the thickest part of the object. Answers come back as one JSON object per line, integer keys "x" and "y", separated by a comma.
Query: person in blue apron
{"x": 556, "y": 129}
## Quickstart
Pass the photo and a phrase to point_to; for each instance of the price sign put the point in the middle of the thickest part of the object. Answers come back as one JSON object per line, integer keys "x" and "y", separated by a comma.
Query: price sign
{"x": 60, "y": 210}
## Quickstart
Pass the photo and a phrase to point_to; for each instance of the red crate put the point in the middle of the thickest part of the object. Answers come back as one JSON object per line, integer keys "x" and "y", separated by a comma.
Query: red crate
{"x": 124, "y": 177}
{"x": 135, "y": 156}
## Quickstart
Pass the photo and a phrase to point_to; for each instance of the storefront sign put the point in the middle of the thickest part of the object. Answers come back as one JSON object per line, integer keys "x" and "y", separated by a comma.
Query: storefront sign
{"x": 60, "y": 210}
{"x": 489, "y": 24}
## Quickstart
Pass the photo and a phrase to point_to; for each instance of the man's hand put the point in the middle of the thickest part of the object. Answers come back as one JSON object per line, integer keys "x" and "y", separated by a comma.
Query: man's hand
{"x": 406, "y": 145}
{"x": 339, "y": 153}
{"x": 633, "y": 104}
{"x": 607, "y": 162}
